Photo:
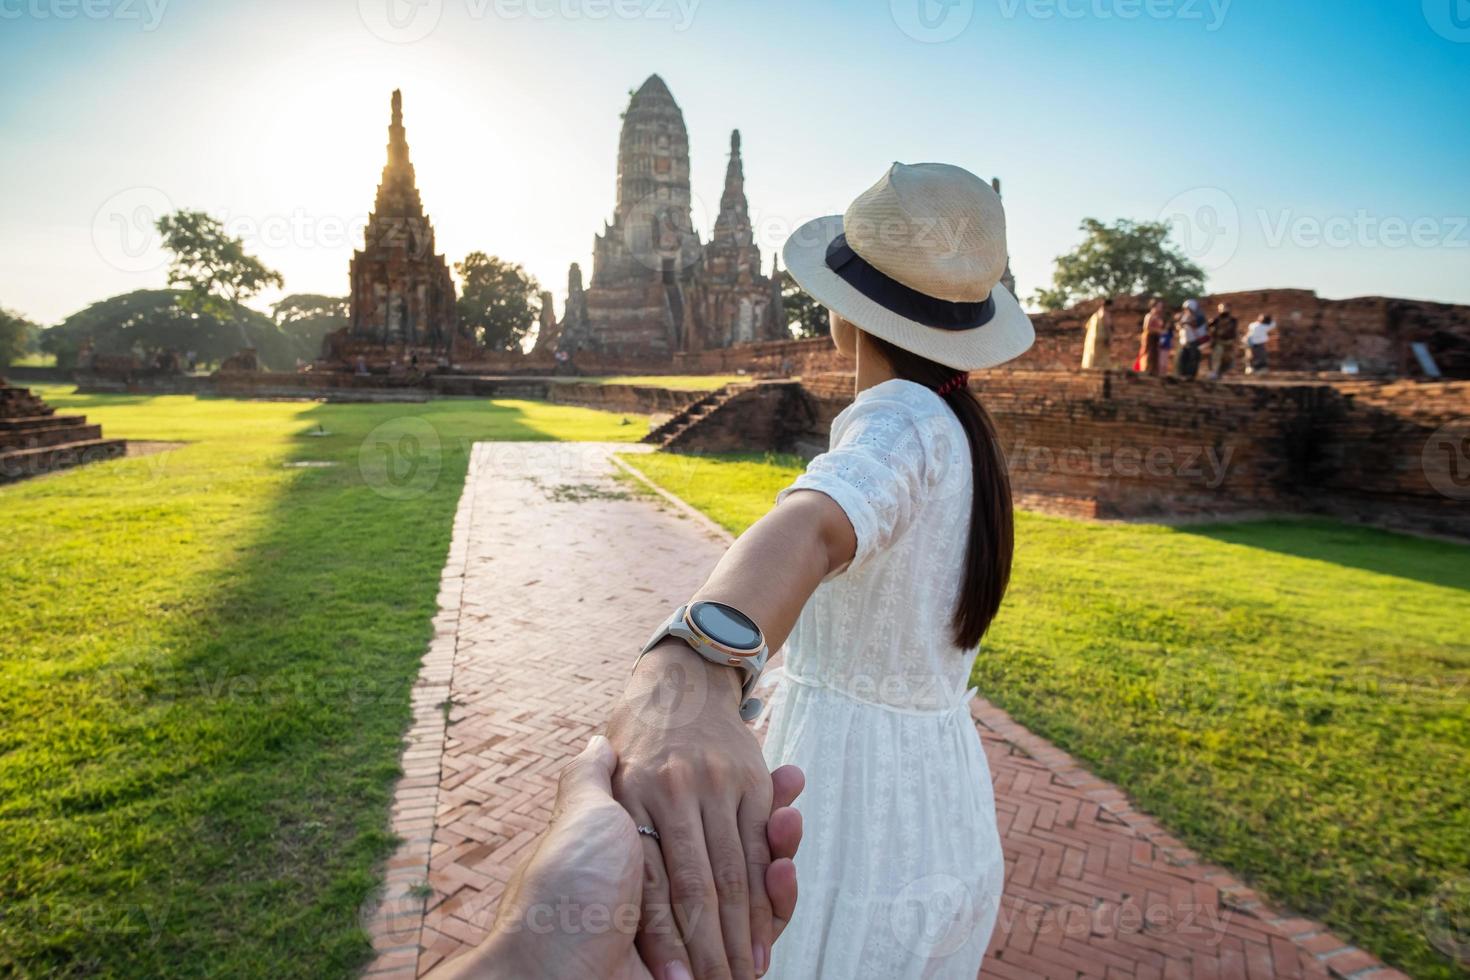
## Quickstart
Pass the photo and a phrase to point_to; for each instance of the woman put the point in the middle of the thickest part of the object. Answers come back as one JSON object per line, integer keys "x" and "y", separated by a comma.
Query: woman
{"x": 1153, "y": 331}
{"x": 1098, "y": 338}
{"x": 901, "y": 538}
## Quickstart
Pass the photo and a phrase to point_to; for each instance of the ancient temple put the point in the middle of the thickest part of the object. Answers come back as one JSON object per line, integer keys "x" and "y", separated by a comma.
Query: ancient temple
{"x": 402, "y": 294}
{"x": 548, "y": 331}
{"x": 574, "y": 332}
{"x": 738, "y": 305}
{"x": 655, "y": 288}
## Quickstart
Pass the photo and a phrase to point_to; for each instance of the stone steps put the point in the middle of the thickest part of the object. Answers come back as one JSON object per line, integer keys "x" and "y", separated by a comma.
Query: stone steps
{"x": 19, "y": 403}
{"x": 21, "y": 463}
{"x": 34, "y": 440}
{"x": 665, "y": 434}
{"x": 39, "y": 421}
{"x": 73, "y": 429}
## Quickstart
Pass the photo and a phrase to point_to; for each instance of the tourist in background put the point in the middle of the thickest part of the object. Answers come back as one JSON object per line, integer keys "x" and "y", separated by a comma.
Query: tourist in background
{"x": 1095, "y": 354}
{"x": 1191, "y": 331}
{"x": 1154, "y": 328}
{"x": 1256, "y": 337}
{"x": 1224, "y": 333}
{"x": 883, "y": 565}
{"x": 1166, "y": 346}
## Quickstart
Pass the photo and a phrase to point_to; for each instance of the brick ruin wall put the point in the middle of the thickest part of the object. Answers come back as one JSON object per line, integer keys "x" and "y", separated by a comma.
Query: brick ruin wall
{"x": 771, "y": 359}
{"x": 1118, "y": 446}
{"x": 1315, "y": 336}
{"x": 627, "y": 398}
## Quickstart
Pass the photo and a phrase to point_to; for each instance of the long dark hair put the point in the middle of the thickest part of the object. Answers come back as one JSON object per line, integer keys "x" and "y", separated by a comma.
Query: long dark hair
{"x": 992, "y": 522}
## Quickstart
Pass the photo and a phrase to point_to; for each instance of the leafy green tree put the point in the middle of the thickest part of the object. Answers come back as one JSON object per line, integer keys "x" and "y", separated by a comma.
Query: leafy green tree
{"x": 18, "y": 337}
{"x": 1122, "y": 259}
{"x": 213, "y": 266}
{"x": 805, "y": 317}
{"x": 499, "y": 301}
{"x": 307, "y": 318}
{"x": 163, "y": 319}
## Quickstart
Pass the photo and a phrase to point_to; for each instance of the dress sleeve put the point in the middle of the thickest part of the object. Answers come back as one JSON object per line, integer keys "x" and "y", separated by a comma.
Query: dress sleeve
{"x": 881, "y": 464}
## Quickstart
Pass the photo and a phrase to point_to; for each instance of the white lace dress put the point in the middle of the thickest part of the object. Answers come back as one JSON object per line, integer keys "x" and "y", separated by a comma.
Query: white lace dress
{"x": 900, "y": 867}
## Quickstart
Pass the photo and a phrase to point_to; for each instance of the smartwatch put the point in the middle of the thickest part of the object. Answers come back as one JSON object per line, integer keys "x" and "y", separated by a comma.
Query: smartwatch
{"x": 722, "y": 635}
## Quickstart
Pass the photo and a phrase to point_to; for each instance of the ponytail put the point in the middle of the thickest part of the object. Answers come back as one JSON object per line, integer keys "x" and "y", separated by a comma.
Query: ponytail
{"x": 992, "y": 537}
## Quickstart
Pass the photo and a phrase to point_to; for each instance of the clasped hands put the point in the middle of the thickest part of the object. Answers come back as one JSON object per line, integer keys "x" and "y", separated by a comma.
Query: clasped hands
{"x": 705, "y": 899}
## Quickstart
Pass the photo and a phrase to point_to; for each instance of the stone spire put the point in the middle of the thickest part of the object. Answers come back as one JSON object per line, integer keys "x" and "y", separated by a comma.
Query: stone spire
{"x": 398, "y": 195}
{"x": 1007, "y": 279}
{"x": 547, "y": 328}
{"x": 777, "y": 327}
{"x": 573, "y": 332}
{"x": 733, "y": 222}
{"x": 402, "y": 292}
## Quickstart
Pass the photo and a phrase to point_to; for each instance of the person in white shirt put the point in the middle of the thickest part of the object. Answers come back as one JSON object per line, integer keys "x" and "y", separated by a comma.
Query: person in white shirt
{"x": 1191, "y": 330}
{"x": 1256, "y": 336}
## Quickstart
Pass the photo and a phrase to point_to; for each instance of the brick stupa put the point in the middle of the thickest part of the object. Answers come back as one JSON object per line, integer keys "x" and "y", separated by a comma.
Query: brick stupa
{"x": 402, "y": 294}
{"x": 35, "y": 440}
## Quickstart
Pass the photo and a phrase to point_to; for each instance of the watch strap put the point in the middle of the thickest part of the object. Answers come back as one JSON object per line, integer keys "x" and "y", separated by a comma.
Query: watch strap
{"x": 751, "y": 668}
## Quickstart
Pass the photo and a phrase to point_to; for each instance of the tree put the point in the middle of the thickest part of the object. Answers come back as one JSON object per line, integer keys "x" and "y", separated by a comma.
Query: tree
{"x": 805, "y": 317}
{"x": 499, "y": 301}
{"x": 1122, "y": 259}
{"x": 212, "y": 266}
{"x": 162, "y": 319}
{"x": 18, "y": 337}
{"x": 307, "y": 318}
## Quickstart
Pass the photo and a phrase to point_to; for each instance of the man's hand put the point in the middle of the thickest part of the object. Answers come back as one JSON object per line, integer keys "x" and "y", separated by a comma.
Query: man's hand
{"x": 574, "y": 908}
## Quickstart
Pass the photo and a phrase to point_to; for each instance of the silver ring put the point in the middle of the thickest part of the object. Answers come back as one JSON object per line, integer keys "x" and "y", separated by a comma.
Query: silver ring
{"x": 648, "y": 832}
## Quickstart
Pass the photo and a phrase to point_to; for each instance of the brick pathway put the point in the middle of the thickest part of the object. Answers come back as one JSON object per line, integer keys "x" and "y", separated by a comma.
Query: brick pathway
{"x": 1093, "y": 888}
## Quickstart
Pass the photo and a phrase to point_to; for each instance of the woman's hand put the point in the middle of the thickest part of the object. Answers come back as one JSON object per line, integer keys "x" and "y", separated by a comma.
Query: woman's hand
{"x": 573, "y": 908}
{"x": 691, "y": 769}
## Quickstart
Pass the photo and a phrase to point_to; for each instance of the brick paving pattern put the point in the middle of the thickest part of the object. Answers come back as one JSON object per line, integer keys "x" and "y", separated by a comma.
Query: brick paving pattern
{"x": 1093, "y": 888}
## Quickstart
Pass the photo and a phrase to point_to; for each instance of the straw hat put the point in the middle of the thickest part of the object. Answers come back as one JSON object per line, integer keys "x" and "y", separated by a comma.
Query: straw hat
{"x": 917, "y": 260}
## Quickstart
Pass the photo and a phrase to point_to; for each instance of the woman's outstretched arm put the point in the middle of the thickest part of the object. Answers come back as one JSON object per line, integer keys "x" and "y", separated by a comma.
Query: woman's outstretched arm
{"x": 691, "y": 769}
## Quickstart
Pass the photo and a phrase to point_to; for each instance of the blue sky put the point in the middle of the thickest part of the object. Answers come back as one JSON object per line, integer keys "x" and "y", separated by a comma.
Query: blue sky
{"x": 1305, "y": 143}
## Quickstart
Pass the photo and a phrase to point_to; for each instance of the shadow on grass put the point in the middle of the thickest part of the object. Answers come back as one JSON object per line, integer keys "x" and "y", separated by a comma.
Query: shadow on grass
{"x": 319, "y": 638}
{"x": 237, "y": 825}
{"x": 1433, "y": 562}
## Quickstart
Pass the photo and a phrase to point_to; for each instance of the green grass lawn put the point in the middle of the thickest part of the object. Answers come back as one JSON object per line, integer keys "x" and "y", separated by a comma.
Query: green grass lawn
{"x": 205, "y": 675}
{"x": 1289, "y": 697}
{"x": 33, "y": 360}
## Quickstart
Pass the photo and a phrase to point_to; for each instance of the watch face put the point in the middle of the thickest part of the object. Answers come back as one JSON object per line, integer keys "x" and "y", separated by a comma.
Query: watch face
{"x": 725, "y": 625}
